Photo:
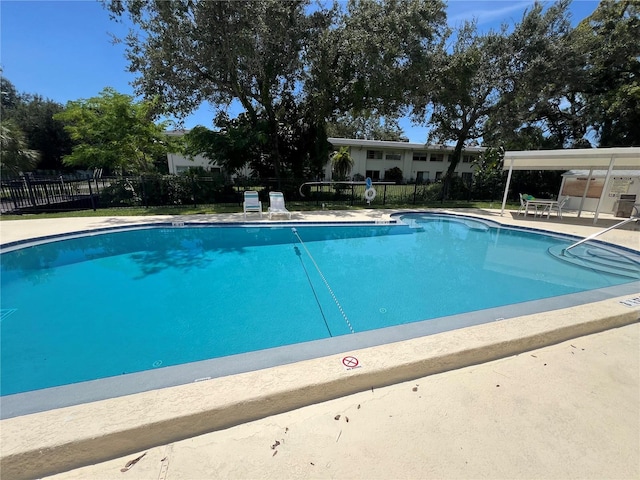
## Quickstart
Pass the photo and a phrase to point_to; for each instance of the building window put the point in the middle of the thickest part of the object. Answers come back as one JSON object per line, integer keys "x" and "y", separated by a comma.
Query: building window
{"x": 422, "y": 177}
{"x": 181, "y": 169}
{"x": 437, "y": 157}
{"x": 393, "y": 156}
{"x": 419, "y": 156}
{"x": 467, "y": 158}
{"x": 373, "y": 175}
{"x": 467, "y": 178}
{"x": 374, "y": 154}
{"x": 438, "y": 175}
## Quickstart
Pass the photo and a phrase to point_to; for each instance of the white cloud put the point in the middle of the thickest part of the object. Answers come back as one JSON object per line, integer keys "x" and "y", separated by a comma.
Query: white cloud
{"x": 489, "y": 14}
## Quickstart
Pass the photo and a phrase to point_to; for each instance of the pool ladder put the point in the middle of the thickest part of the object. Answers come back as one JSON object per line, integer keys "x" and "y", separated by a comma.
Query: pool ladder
{"x": 633, "y": 218}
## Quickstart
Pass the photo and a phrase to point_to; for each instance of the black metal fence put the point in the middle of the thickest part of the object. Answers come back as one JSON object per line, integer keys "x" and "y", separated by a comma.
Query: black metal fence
{"x": 33, "y": 194}
{"x": 47, "y": 194}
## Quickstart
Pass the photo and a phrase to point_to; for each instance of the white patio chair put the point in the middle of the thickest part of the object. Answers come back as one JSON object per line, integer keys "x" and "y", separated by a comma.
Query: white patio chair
{"x": 252, "y": 203}
{"x": 557, "y": 207}
{"x": 524, "y": 206}
{"x": 276, "y": 205}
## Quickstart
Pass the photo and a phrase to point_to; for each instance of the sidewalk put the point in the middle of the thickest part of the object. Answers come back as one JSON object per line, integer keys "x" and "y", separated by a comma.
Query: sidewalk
{"x": 571, "y": 410}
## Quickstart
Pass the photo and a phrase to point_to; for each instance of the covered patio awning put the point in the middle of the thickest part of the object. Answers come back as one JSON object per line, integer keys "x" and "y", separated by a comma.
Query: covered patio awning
{"x": 609, "y": 159}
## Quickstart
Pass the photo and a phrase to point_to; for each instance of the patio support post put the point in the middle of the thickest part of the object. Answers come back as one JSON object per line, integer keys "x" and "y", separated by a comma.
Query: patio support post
{"x": 604, "y": 188}
{"x": 584, "y": 194}
{"x": 506, "y": 187}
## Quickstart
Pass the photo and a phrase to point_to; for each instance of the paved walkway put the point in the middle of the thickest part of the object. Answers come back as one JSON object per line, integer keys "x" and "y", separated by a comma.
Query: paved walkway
{"x": 570, "y": 410}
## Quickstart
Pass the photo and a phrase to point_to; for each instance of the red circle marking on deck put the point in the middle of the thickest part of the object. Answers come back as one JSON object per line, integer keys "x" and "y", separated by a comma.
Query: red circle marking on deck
{"x": 350, "y": 362}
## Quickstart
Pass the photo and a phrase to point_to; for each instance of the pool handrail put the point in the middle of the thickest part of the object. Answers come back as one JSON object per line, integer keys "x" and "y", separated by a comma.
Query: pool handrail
{"x": 633, "y": 218}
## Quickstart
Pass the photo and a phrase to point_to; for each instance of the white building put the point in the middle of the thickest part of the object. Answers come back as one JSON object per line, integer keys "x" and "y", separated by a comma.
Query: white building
{"x": 371, "y": 158}
{"x": 618, "y": 196}
{"x": 419, "y": 162}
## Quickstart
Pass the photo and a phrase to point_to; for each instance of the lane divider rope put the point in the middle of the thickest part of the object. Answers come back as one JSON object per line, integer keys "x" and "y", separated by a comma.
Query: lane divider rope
{"x": 335, "y": 299}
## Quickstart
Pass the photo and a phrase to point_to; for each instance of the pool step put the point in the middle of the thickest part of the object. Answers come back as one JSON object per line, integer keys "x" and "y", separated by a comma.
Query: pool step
{"x": 5, "y": 312}
{"x": 600, "y": 260}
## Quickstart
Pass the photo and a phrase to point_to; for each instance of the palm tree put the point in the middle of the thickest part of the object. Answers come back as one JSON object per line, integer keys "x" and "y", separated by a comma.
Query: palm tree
{"x": 15, "y": 157}
{"x": 342, "y": 163}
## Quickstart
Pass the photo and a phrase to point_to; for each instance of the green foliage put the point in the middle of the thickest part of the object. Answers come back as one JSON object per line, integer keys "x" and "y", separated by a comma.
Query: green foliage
{"x": 382, "y": 49}
{"x": 341, "y": 163}
{"x": 488, "y": 177}
{"x": 608, "y": 41}
{"x": 366, "y": 125}
{"x": 33, "y": 116}
{"x": 167, "y": 190}
{"x": 429, "y": 193}
{"x": 291, "y": 67}
{"x": 233, "y": 147}
{"x": 393, "y": 175}
{"x": 112, "y": 131}
{"x": 119, "y": 193}
{"x": 16, "y": 156}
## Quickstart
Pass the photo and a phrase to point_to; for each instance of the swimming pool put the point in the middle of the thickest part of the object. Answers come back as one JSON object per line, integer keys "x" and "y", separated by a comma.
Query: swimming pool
{"x": 151, "y": 298}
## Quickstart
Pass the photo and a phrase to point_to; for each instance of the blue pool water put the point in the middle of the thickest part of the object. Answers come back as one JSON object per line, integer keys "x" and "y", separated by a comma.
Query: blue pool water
{"x": 108, "y": 304}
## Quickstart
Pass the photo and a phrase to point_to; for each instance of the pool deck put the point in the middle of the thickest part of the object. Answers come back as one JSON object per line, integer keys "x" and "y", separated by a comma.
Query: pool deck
{"x": 550, "y": 395}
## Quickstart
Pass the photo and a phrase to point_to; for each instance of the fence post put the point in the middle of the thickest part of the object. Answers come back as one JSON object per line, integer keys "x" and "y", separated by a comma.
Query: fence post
{"x": 27, "y": 180}
{"x": 144, "y": 192}
{"x": 193, "y": 191}
{"x": 352, "y": 196}
{"x": 46, "y": 193}
{"x": 14, "y": 197}
{"x": 384, "y": 195}
{"x": 93, "y": 203}
{"x": 415, "y": 192}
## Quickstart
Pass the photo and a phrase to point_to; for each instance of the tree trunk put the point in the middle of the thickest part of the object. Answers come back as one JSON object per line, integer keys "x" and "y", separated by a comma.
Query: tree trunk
{"x": 455, "y": 159}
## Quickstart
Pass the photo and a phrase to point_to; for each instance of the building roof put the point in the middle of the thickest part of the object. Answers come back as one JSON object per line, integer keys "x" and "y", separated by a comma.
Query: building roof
{"x": 354, "y": 142}
{"x": 583, "y": 158}
{"x": 601, "y": 173}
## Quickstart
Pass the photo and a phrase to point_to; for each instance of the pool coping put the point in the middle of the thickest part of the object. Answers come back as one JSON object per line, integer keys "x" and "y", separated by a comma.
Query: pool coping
{"x": 58, "y": 440}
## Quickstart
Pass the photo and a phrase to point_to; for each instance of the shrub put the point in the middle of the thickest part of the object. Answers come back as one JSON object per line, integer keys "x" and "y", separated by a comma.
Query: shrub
{"x": 393, "y": 175}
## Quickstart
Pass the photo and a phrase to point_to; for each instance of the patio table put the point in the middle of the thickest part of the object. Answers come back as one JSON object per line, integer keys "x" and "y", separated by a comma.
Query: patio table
{"x": 541, "y": 202}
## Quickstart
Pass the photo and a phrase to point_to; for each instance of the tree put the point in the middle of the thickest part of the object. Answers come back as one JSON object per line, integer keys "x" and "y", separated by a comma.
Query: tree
{"x": 549, "y": 70}
{"x": 380, "y": 50}
{"x": 9, "y": 97}
{"x": 488, "y": 177}
{"x": 468, "y": 90}
{"x": 33, "y": 116}
{"x": 16, "y": 156}
{"x": 481, "y": 75}
{"x": 608, "y": 43}
{"x": 112, "y": 131}
{"x": 341, "y": 163}
{"x": 189, "y": 52}
{"x": 281, "y": 60}
{"x": 366, "y": 126}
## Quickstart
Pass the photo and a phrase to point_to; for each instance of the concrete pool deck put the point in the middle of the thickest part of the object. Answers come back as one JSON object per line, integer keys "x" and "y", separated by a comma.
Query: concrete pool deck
{"x": 568, "y": 410}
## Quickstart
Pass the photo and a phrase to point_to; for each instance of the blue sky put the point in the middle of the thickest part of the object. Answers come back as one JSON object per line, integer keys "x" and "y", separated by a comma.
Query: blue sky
{"x": 63, "y": 50}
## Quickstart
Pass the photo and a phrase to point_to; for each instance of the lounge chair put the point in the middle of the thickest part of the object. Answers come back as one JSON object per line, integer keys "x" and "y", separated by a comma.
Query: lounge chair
{"x": 252, "y": 203}
{"x": 276, "y": 205}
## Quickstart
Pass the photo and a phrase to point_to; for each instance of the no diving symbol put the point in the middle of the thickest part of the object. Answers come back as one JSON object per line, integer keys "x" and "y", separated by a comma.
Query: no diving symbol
{"x": 350, "y": 362}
